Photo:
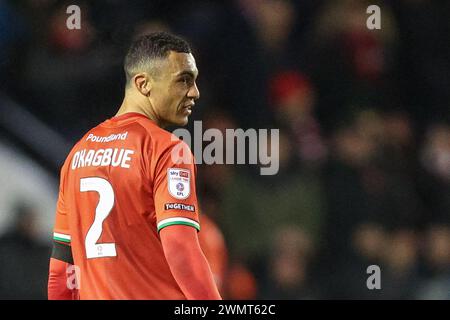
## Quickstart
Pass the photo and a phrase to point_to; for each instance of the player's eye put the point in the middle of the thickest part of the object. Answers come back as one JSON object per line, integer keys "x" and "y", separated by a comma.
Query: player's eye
{"x": 186, "y": 80}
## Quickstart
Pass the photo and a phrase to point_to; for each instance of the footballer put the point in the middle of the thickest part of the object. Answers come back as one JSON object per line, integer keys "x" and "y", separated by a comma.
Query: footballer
{"x": 127, "y": 212}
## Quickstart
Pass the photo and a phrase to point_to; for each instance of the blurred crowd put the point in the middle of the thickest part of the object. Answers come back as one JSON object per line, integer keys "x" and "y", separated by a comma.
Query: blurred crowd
{"x": 364, "y": 119}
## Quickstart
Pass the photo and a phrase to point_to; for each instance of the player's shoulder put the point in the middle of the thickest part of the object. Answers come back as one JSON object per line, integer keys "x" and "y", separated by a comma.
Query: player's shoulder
{"x": 153, "y": 129}
{"x": 166, "y": 144}
{"x": 161, "y": 138}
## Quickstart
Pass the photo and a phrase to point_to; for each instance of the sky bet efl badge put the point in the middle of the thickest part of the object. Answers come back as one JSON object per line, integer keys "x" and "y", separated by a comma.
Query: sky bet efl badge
{"x": 179, "y": 182}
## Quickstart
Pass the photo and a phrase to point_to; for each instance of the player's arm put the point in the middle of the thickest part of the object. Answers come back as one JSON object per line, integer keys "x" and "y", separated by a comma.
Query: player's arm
{"x": 178, "y": 223}
{"x": 61, "y": 259}
{"x": 188, "y": 263}
{"x": 60, "y": 269}
{"x": 57, "y": 288}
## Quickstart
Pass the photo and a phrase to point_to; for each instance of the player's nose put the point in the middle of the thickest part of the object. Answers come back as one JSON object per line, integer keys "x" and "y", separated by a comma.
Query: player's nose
{"x": 194, "y": 93}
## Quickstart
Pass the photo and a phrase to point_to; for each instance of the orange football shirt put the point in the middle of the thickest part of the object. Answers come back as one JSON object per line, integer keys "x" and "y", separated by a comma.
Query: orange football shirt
{"x": 119, "y": 186}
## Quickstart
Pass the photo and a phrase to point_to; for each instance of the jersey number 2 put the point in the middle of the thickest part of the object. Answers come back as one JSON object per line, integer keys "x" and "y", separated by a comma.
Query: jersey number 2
{"x": 104, "y": 206}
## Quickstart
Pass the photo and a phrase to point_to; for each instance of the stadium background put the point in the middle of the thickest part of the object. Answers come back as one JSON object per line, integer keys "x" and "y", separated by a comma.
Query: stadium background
{"x": 364, "y": 137}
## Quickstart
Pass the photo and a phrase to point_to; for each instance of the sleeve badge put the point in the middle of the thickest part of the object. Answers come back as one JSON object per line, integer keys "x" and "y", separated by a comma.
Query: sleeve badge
{"x": 179, "y": 182}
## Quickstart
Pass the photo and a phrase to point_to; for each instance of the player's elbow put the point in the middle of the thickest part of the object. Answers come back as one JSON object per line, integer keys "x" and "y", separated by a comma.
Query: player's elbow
{"x": 57, "y": 281}
{"x": 188, "y": 263}
{"x": 179, "y": 244}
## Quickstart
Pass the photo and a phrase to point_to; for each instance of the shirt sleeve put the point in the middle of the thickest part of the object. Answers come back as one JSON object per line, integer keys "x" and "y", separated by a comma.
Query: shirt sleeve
{"x": 174, "y": 188}
{"x": 61, "y": 231}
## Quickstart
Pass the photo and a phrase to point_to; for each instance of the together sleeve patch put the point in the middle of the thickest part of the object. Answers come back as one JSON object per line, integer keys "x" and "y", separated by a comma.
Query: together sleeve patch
{"x": 179, "y": 206}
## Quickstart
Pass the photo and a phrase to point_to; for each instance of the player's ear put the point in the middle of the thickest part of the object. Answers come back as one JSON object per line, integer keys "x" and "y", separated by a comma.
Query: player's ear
{"x": 142, "y": 83}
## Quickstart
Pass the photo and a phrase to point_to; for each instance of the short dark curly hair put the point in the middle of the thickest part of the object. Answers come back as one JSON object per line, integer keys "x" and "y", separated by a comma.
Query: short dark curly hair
{"x": 151, "y": 47}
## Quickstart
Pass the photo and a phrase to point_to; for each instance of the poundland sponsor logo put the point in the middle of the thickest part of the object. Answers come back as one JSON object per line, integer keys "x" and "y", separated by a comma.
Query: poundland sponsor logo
{"x": 111, "y": 137}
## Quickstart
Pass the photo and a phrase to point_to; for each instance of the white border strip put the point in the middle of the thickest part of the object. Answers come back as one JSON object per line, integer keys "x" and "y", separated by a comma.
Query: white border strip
{"x": 62, "y": 236}
{"x": 178, "y": 219}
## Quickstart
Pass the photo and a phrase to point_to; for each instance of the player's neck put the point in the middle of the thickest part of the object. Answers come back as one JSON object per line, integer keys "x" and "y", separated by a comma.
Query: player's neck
{"x": 132, "y": 104}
